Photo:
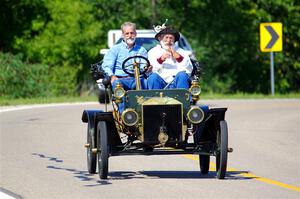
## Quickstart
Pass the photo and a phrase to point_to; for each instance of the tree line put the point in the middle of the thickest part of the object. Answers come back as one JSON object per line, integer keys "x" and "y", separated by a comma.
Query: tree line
{"x": 46, "y": 46}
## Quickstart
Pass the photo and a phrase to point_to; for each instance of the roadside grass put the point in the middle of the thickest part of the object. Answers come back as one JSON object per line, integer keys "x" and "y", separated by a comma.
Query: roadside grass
{"x": 46, "y": 100}
{"x": 93, "y": 98}
{"x": 250, "y": 96}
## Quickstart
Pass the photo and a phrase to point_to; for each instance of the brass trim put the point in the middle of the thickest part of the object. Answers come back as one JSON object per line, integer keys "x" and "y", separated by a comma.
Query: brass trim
{"x": 130, "y": 110}
{"x": 195, "y": 96}
{"x": 188, "y": 115}
{"x": 161, "y": 101}
{"x": 119, "y": 87}
{"x": 94, "y": 150}
{"x": 182, "y": 125}
{"x": 163, "y": 138}
{"x": 141, "y": 127}
{"x": 195, "y": 85}
{"x": 187, "y": 96}
{"x": 184, "y": 129}
{"x": 137, "y": 75}
{"x": 139, "y": 99}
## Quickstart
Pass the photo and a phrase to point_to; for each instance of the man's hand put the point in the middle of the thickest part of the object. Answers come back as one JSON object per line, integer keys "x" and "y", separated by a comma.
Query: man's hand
{"x": 174, "y": 53}
{"x": 113, "y": 78}
{"x": 170, "y": 52}
{"x": 166, "y": 55}
{"x": 149, "y": 69}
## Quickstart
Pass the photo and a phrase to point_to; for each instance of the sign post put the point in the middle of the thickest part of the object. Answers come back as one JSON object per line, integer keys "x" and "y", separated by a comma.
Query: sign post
{"x": 271, "y": 41}
{"x": 272, "y": 72}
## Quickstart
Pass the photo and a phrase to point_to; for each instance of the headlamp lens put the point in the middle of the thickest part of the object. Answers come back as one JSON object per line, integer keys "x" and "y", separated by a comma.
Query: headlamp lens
{"x": 130, "y": 117}
{"x": 195, "y": 90}
{"x": 195, "y": 115}
{"x": 119, "y": 92}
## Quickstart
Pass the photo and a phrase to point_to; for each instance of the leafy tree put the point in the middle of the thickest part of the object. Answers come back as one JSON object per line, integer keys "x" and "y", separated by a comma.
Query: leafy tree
{"x": 22, "y": 80}
{"x": 70, "y": 39}
{"x": 16, "y": 17}
{"x": 226, "y": 38}
{"x": 67, "y": 35}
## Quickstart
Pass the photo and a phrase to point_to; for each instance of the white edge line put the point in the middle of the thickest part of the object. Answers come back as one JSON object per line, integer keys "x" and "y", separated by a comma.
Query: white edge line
{"x": 24, "y": 107}
{"x": 6, "y": 194}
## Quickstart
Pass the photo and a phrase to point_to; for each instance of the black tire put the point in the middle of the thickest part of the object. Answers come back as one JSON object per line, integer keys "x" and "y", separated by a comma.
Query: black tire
{"x": 204, "y": 163}
{"x": 102, "y": 149}
{"x": 91, "y": 157}
{"x": 103, "y": 96}
{"x": 222, "y": 143}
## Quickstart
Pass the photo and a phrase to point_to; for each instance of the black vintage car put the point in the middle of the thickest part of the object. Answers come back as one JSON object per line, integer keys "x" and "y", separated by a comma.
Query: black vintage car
{"x": 166, "y": 121}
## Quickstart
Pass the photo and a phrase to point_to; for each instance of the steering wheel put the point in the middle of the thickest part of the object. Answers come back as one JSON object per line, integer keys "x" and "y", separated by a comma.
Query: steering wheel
{"x": 142, "y": 63}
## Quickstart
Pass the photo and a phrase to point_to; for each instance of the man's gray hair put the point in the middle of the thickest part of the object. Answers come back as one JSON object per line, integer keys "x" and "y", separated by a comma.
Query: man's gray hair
{"x": 128, "y": 24}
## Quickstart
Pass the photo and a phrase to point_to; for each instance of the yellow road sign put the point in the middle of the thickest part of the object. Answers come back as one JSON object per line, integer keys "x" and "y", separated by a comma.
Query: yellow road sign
{"x": 270, "y": 37}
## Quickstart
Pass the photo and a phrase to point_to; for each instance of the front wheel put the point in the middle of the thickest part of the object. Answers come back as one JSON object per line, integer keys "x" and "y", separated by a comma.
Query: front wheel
{"x": 102, "y": 149}
{"x": 91, "y": 156}
{"x": 222, "y": 144}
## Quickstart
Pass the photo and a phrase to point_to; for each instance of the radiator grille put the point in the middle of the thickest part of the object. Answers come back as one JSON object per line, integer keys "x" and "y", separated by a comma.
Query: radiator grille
{"x": 152, "y": 120}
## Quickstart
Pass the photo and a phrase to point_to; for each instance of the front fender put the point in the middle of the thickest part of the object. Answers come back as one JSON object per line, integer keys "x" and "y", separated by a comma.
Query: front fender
{"x": 92, "y": 117}
{"x": 89, "y": 116}
{"x": 208, "y": 128}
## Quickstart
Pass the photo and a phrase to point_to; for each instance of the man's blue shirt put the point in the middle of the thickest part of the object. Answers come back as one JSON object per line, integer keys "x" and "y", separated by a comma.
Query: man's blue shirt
{"x": 113, "y": 59}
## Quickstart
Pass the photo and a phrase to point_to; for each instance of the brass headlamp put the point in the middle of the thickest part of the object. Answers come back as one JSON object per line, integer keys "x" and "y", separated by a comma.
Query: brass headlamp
{"x": 119, "y": 92}
{"x": 130, "y": 117}
{"x": 195, "y": 115}
{"x": 195, "y": 90}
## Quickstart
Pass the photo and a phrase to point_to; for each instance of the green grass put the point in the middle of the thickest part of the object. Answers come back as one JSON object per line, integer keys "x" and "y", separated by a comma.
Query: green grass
{"x": 7, "y": 102}
{"x": 249, "y": 96}
{"x": 92, "y": 98}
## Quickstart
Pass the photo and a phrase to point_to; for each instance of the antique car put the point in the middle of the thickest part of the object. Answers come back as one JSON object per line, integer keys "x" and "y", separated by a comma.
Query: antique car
{"x": 166, "y": 121}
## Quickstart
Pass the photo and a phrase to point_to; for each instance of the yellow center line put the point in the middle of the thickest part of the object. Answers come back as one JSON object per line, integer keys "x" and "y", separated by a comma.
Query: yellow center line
{"x": 249, "y": 175}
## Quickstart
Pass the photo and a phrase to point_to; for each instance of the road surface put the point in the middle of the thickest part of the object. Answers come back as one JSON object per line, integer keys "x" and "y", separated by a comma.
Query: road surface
{"x": 42, "y": 156}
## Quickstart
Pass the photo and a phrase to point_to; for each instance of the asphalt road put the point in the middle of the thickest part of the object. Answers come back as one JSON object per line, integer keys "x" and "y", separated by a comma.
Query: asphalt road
{"x": 42, "y": 156}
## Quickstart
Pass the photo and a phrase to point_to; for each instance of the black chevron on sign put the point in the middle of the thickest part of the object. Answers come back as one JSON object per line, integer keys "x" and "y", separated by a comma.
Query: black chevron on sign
{"x": 274, "y": 36}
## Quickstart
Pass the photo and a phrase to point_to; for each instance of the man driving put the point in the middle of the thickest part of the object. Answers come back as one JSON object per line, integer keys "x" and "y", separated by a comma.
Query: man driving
{"x": 114, "y": 58}
{"x": 171, "y": 64}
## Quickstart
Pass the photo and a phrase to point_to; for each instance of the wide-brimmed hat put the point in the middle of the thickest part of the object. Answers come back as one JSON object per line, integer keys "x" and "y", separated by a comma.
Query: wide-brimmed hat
{"x": 168, "y": 30}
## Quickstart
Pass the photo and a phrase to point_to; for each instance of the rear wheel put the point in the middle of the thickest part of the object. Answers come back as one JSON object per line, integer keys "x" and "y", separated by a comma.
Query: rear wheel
{"x": 91, "y": 157}
{"x": 204, "y": 163}
{"x": 222, "y": 144}
{"x": 102, "y": 149}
